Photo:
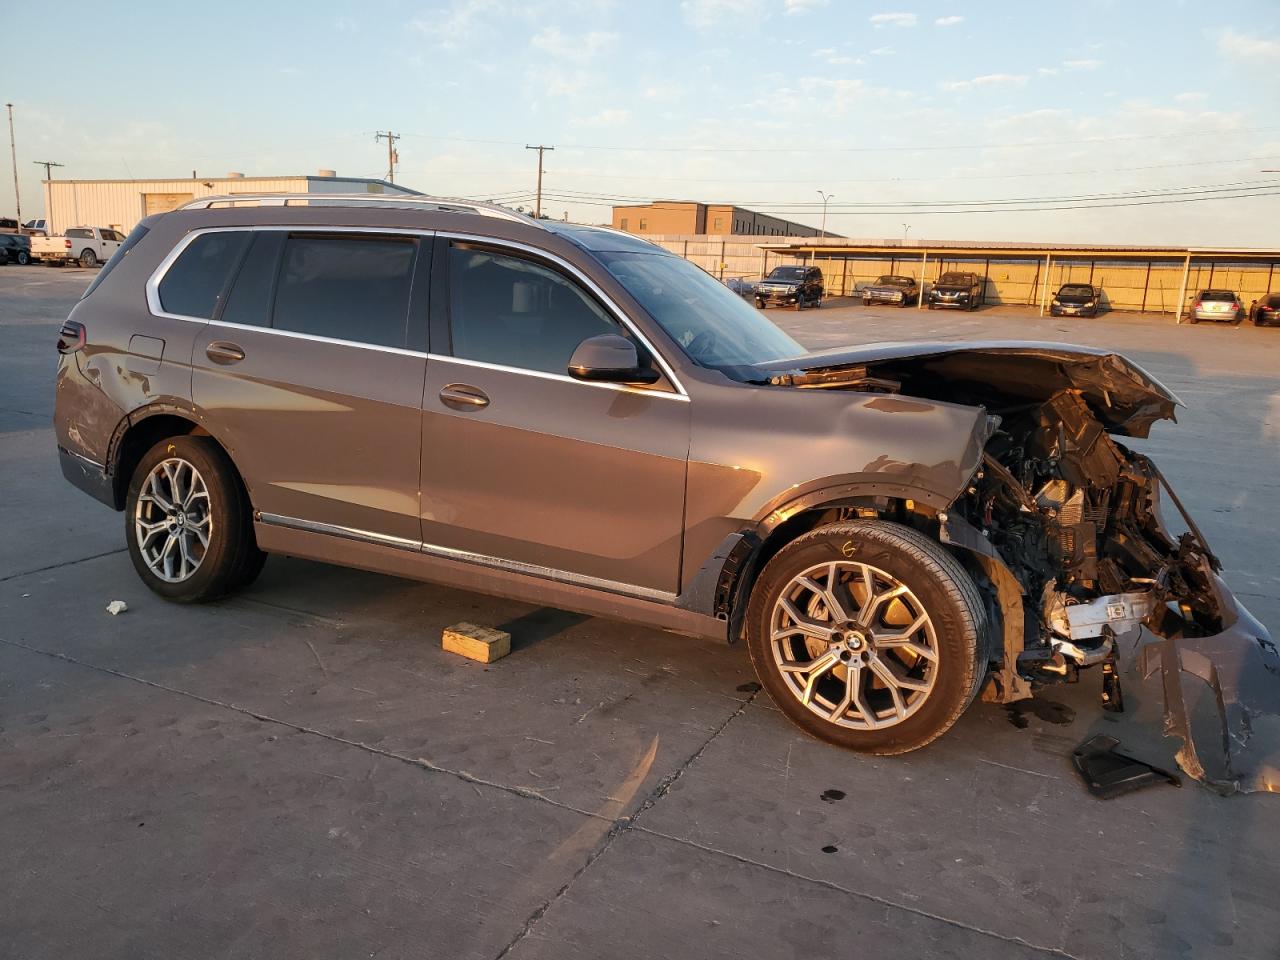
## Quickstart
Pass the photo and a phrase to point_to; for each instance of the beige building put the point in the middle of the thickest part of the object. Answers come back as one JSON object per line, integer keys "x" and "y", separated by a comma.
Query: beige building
{"x": 711, "y": 219}
{"x": 120, "y": 204}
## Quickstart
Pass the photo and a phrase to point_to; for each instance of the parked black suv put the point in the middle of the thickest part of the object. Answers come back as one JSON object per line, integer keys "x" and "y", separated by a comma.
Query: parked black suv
{"x": 962, "y": 291}
{"x": 790, "y": 287}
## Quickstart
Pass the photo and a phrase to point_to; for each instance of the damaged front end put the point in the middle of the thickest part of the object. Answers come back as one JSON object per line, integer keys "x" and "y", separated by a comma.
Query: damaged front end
{"x": 1067, "y": 524}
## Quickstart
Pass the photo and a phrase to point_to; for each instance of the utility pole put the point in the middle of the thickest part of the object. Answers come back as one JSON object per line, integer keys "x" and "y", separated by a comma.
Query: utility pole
{"x": 906, "y": 228}
{"x": 825, "y": 197}
{"x": 393, "y": 157}
{"x": 48, "y": 167}
{"x": 537, "y": 206}
{"x": 13, "y": 154}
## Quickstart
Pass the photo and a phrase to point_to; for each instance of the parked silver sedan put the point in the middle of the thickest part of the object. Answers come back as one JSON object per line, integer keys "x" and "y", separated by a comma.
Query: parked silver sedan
{"x": 1217, "y": 305}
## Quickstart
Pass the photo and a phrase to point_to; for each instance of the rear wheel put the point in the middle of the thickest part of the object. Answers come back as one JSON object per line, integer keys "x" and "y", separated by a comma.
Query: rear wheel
{"x": 23, "y": 258}
{"x": 188, "y": 523}
{"x": 88, "y": 258}
{"x": 868, "y": 635}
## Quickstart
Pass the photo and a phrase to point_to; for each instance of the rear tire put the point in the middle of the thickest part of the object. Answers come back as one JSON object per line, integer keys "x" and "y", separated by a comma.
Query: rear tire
{"x": 88, "y": 258}
{"x": 188, "y": 522}
{"x": 932, "y": 637}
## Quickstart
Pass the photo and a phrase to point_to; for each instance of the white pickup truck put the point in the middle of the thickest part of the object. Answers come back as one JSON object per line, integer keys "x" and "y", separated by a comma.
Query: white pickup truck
{"x": 87, "y": 246}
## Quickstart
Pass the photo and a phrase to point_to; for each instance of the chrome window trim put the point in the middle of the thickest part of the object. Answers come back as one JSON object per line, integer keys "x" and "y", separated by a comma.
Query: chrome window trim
{"x": 405, "y": 201}
{"x": 466, "y": 556}
{"x": 618, "y": 313}
{"x": 561, "y": 377}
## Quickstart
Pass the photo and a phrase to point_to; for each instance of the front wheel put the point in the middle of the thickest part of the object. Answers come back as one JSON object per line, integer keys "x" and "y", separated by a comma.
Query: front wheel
{"x": 868, "y": 635}
{"x": 188, "y": 522}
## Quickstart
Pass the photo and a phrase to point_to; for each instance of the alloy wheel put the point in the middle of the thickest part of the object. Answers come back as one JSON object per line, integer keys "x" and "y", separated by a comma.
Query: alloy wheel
{"x": 172, "y": 520}
{"x": 854, "y": 645}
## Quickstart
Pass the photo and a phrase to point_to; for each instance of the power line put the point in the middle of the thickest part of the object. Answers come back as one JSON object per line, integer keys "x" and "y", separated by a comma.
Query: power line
{"x": 48, "y": 167}
{"x": 809, "y": 150}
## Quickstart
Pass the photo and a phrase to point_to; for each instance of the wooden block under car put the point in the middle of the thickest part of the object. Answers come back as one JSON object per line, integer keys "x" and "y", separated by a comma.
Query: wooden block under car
{"x": 476, "y": 643}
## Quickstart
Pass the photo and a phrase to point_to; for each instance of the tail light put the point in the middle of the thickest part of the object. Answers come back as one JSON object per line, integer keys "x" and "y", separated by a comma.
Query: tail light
{"x": 1198, "y": 305}
{"x": 71, "y": 337}
{"x": 67, "y": 244}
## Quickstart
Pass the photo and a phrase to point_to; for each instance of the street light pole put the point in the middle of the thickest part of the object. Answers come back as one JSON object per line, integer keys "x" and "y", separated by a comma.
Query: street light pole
{"x": 13, "y": 154}
{"x": 906, "y": 228}
{"x": 825, "y": 197}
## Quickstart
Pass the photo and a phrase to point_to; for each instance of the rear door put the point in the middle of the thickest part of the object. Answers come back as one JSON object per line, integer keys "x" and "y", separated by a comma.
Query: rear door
{"x": 311, "y": 371}
{"x": 525, "y": 467}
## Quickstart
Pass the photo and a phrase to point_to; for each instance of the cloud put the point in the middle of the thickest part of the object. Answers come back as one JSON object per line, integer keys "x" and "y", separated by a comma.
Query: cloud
{"x": 1235, "y": 44}
{"x": 1081, "y": 64}
{"x": 705, "y": 14}
{"x": 576, "y": 47}
{"x": 883, "y": 52}
{"x": 947, "y": 21}
{"x": 832, "y": 56}
{"x": 1191, "y": 96}
{"x": 894, "y": 19}
{"x": 986, "y": 80}
{"x": 1048, "y": 71}
{"x": 803, "y": 6}
{"x": 609, "y": 117}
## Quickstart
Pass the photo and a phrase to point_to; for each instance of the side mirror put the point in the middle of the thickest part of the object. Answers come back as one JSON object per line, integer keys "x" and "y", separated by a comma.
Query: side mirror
{"x": 609, "y": 358}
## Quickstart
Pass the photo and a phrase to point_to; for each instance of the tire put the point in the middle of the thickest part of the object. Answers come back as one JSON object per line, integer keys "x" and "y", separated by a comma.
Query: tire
{"x": 88, "y": 258}
{"x": 193, "y": 572}
{"x": 23, "y": 258}
{"x": 956, "y": 631}
{"x": 929, "y": 306}
{"x": 866, "y": 302}
{"x": 760, "y": 305}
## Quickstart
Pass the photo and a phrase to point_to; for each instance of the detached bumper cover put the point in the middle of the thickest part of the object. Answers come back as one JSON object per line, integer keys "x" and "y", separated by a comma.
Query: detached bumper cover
{"x": 88, "y": 476}
{"x": 1241, "y": 666}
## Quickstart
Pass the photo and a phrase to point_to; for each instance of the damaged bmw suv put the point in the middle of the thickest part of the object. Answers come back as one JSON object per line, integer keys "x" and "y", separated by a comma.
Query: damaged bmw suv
{"x": 573, "y": 416}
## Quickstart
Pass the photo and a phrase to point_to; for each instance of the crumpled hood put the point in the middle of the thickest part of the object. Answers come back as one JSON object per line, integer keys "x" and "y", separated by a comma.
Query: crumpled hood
{"x": 1124, "y": 397}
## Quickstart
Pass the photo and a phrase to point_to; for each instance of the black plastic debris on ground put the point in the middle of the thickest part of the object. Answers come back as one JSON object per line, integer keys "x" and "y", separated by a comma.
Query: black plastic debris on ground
{"x": 1108, "y": 773}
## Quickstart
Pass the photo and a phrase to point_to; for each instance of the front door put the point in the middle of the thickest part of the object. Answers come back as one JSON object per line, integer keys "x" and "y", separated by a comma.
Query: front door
{"x": 304, "y": 374}
{"x": 525, "y": 466}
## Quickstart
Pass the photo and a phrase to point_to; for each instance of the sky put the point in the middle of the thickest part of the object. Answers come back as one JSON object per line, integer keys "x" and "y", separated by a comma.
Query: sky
{"x": 951, "y": 120}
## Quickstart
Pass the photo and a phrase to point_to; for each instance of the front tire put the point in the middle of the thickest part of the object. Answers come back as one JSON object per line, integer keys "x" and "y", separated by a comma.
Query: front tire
{"x": 188, "y": 522}
{"x": 868, "y": 635}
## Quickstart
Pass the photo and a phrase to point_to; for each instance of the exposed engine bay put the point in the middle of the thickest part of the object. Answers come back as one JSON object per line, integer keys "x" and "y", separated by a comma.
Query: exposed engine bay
{"x": 1073, "y": 517}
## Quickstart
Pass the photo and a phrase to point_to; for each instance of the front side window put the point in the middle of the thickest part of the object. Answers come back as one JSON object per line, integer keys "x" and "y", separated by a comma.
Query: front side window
{"x": 192, "y": 284}
{"x": 713, "y": 325}
{"x": 346, "y": 288}
{"x": 514, "y": 312}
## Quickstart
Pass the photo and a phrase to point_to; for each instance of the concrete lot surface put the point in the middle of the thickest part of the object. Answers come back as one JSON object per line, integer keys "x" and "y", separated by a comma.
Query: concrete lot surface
{"x": 300, "y": 771}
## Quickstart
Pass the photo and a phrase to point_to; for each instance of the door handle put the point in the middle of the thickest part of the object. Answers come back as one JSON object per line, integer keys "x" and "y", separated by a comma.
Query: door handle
{"x": 224, "y": 352}
{"x": 463, "y": 396}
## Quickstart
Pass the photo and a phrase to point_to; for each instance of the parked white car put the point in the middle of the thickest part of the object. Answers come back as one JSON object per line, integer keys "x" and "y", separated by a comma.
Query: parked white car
{"x": 37, "y": 228}
{"x": 87, "y": 246}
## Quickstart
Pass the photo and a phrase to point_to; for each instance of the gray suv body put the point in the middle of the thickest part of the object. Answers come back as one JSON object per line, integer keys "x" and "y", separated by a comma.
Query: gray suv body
{"x": 575, "y": 417}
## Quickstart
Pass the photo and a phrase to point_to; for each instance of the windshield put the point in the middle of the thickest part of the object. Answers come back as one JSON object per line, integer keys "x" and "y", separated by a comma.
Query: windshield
{"x": 895, "y": 281}
{"x": 786, "y": 273}
{"x": 714, "y": 326}
{"x": 1076, "y": 290}
{"x": 956, "y": 278}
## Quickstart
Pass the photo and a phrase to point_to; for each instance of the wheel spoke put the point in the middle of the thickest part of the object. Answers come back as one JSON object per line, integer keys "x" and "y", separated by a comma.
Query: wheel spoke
{"x": 867, "y": 615}
{"x": 890, "y": 680}
{"x": 801, "y": 624}
{"x": 153, "y": 495}
{"x": 893, "y": 679}
{"x": 854, "y": 685}
{"x": 817, "y": 669}
{"x": 904, "y": 636}
{"x": 149, "y": 531}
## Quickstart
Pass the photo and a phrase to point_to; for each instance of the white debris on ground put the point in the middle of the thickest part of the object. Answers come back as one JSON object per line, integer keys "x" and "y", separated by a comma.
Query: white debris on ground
{"x": 116, "y": 607}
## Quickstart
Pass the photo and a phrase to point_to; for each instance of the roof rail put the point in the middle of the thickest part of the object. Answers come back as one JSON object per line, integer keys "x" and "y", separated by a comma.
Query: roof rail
{"x": 403, "y": 201}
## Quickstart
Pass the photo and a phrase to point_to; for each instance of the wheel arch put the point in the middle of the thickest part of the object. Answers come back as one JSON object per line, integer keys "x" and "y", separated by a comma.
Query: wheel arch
{"x": 140, "y": 430}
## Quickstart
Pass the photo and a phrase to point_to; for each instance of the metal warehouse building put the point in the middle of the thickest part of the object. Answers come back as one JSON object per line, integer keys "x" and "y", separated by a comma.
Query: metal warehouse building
{"x": 122, "y": 203}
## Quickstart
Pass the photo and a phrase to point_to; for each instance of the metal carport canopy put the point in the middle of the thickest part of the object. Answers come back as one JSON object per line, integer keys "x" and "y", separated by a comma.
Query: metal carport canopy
{"x": 994, "y": 250}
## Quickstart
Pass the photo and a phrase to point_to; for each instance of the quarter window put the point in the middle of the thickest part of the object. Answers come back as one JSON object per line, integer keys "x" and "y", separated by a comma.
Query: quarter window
{"x": 346, "y": 288}
{"x": 192, "y": 284}
{"x": 511, "y": 311}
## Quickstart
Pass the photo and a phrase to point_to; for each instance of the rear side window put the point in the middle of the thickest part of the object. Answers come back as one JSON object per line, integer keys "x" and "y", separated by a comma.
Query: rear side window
{"x": 346, "y": 288}
{"x": 513, "y": 312}
{"x": 136, "y": 234}
{"x": 76, "y": 234}
{"x": 193, "y": 283}
{"x": 250, "y": 300}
